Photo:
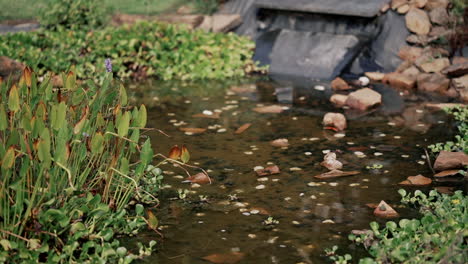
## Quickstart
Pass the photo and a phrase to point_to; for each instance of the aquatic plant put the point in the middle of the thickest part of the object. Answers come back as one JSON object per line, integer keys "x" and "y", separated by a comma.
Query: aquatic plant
{"x": 71, "y": 159}
{"x": 139, "y": 51}
{"x": 460, "y": 143}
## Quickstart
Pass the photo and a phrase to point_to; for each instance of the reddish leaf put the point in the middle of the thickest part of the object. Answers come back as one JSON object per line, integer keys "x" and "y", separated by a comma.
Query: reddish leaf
{"x": 175, "y": 152}
{"x": 417, "y": 180}
{"x": 268, "y": 171}
{"x": 261, "y": 210}
{"x": 242, "y": 128}
{"x": 193, "y": 130}
{"x": 281, "y": 142}
{"x": 331, "y": 128}
{"x": 362, "y": 148}
{"x": 200, "y": 178}
{"x": 227, "y": 258}
{"x": 335, "y": 174}
{"x": 26, "y": 77}
{"x": 447, "y": 173}
{"x": 384, "y": 210}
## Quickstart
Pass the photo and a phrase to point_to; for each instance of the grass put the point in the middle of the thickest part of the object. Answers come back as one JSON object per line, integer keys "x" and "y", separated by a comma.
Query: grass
{"x": 23, "y": 9}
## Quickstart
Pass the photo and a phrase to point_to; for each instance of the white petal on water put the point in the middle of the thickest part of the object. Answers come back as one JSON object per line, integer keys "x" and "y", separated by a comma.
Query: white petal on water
{"x": 301, "y": 194}
{"x": 328, "y": 221}
{"x": 255, "y": 211}
{"x": 313, "y": 184}
{"x": 295, "y": 169}
{"x": 256, "y": 168}
{"x": 326, "y": 151}
{"x": 239, "y": 204}
{"x": 405, "y": 156}
{"x": 359, "y": 154}
{"x": 333, "y": 184}
{"x": 378, "y": 154}
{"x": 382, "y": 135}
{"x": 287, "y": 198}
{"x": 173, "y": 121}
{"x": 350, "y": 143}
{"x": 397, "y": 137}
{"x": 170, "y": 114}
{"x": 263, "y": 179}
{"x": 339, "y": 135}
{"x": 200, "y": 214}
{"x": 189, "y": 133}
{"x": 314, "y": 139}
{"x": 372, "y": 147}
{"x": 365, "y": 180}
{"x": 179, "y": 177}
{"x": 243, "y": 210}
{"x": 313, "y": 197}
{"x": 354, "y": 184}
{"x": 246, "y": 213}
{"x": 422, "y": 162}
{"x": 221, "y": 130}
{"x": 218, "y": 111}
{"x": 208, "y": 170}
{"x": 307, "y": 153}
{"x": 187, "y": 101}
{"x": 294, "y": 118}
{"x": 272, "y": 240}
{"x": 282, "y": 246}
{"x": 260, "y": 187}
{"x": 252, "y": 236}
{"x": 248, "y": 152}
{"x": 419, "y": 111}
{"x": 275, "y": 180}
{"x": 423, "y": 156}
{"x": 270, "y": 163}
{"x": 391, "y": 124}
{"x": 200, "y": 222}
{"x": 440, "y": 122}
{"x": 207, "y": 112}
{"x": 195, "y": 185}
{"x": 303, "y": 139}
{"x": 319, "y": 87}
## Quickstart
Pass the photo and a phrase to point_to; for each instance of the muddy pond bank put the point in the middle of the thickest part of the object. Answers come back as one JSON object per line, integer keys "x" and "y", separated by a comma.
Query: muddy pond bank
{"x": 307, "y": 215}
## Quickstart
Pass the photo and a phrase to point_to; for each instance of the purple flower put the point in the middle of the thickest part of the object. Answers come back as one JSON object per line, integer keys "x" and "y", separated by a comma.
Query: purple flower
{"x": 108, "y": 64}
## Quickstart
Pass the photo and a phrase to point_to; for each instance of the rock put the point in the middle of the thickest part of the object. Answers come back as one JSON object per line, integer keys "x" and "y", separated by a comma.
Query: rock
{"x": 280, "y": 142}
{"x": 271, "y": 109}
{"x": 339, "y": 84}
{"x": 375, "y": 76}
{"x": 459, "y": 60}
{"x": 363, "y": 99}
{"x": 336, "y": 120}
{"x": 410, "y": 53}
{"x": 399, "y": 80}
{"x": 433, "y": 83}
{"x": 417, "y": 180}
{"x": 411, "y": 72}
{"x": 403, "y": 66}
{"x": 395, "y": 4}
{"x": 206, "y": 24}
{"x": 330, "y": 162}
{"x": 339, "y": 100}
{"x": 451, "y": 93}
{"x": 437, "y": 32}
{"x": 418, "y": 3}
{"x": 456, "y": 70}
{"x": 439, "y": 16}
{"x": 447, "y": 173}
{"x": 10, "y": 68}
{"x": 450, "y": 160}
{"x": 421, "y": 40}
{"x": 432, "y": 4}
{"x": 384, "y": 8}
{"x": 461, "y": 83}
{"x": 225, "y": 23}
{"x": 384, "y": 210}
{"x": 418, "y": 22}
{"x": 270, "y": 170}
{"x": 403, "y": 9}
{"x": 436, "y": 65}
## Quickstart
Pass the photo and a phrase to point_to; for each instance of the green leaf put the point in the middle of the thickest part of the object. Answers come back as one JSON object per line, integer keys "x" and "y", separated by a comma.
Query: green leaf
{"x": 146, "y": 154}
{"x": 185, "y": 155}
{"x": 123, "y": 96}
{"x": 97, "y": 143}
{"x": 3, "y": 118}
{"x": 13, "y": 99}
{"x": 9, "y": 158}
{"x": 123, "y": 124}
{"x": 153, "y": 221}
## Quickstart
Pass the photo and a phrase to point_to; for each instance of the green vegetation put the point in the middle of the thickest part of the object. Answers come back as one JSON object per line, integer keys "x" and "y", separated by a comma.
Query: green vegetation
{"x": 205, "y": 6}
{"x": 438, "y": 237}
{"x": 142, "y": 50}
{"x": 460, "y": 114}
{"x": 27, "y": 9}
{"x": 75, "y": 172}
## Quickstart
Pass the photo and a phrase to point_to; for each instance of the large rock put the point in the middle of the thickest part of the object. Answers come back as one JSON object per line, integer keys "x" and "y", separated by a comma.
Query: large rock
{"x": 433, "y": 83}
{"x": 375, "y": 76}
{"x": 450, "y": 160}
{"x": 395, "y": 4}
{"x": 435, "y": 65}
{"x": 432, "y": 4}
{"x": 410, "y": 53}
{"x": 461, "y": 85}
{"x": 411, "y": 72}
{"x": 363, "y": 99}
{"x": 418, "y": 21}
{"x": 225, "y": 23}
{"x": 456, "y": 70}
{"x": 418, "y": 3}
{"x": 10, "y": 68}
{"x": 439, "y": 16}
{"x": 336, "y": 120}
{"x": 339, "y": 84}
{"x": 400, "y": 80}
{"x": 339, "y": 100}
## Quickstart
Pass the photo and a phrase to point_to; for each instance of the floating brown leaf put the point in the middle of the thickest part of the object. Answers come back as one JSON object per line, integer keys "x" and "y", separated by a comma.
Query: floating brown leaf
{"x": 447, "y": 173}
{"x": 261, "y": 210}
{"x": 417, "y": 180}
{"x": 227, "y": 258}
{"x": 384, "y": 210}
{"x": 270, "y": 170}
{"x": 213, "y": 116}
{"x": 445, "y": 189}
{"x": 242, "y": 128}
{"x": 271, "y": 109}
{"x": 280, "y": 142}
{"x": 193, "y": 130}
{"x": 175, "y": 152}
{"x": 200, "y": 178}
{"x": 335, "y": 174}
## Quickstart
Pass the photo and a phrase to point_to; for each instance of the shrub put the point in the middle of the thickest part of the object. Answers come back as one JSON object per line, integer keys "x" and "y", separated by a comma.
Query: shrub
{"x": 74, "y": 14}
{"x": 66, "y": 173}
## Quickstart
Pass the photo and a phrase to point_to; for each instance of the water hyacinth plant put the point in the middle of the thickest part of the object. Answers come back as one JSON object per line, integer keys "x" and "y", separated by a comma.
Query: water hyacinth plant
{"x": 71, "y": 159}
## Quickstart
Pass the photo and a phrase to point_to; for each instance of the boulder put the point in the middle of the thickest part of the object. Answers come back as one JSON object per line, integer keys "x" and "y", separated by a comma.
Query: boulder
{"x": 403, "y": 9}
{"x": 459, "y": 60}
{"x": 384, "y": 210}
{"x": 410, "y": 53}
{"x": 433, "y": 83}
{"x": 375, "y": 76}
{"x": 10, "y": 68}
{"x": 414, "y": 39}
{"x": 451, "y": 93}
{"x": 336, "y": 120}
{"x": 439, "y": 16}
{"x": 385, "y": 8}
{"x": 437, "y": 32}
{"x": 339, "y": 100}
{"x": 418, "y": 3}
{"x": 435, "y": 65}
{"x": 225, "y": 23}
{"x": 432, "y": 4}
{"x": 339, "y": 84}
{"x": 456, "y": 70}
{"x": 461, "y": 85}
{"x": 363, "y": 99}
{"x": 450, "y": 160}
{"x": 417, "y": 180}
{"x": 403, "y": 66}
{"x": 411, "y": 72}
{"x": 418, "y": 21}
{"x": 400, "y": 80}
{"x": 395, "y": 4}
{"x": 207, "y": 23}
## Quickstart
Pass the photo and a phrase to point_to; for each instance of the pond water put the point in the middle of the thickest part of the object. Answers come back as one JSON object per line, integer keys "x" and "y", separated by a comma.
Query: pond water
{"x": 229, "y": 214}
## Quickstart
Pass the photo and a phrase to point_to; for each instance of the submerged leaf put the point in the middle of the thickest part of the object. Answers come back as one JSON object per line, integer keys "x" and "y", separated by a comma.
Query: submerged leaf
{"x": 227, "y": 258}
{"x": 152, "y": 220}
{"x": 185, "y": 154}
{"x": 200, "y": 178}
{"x": 242, "y": 128}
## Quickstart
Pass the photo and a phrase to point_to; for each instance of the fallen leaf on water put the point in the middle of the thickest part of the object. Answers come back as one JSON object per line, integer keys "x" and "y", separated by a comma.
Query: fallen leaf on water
{"x": 261, "y": 211}
{"x": 447, "y": 173}
{"x": 445, "y": 189}
{"x": 242, "y": 128}
{"x": 270, "y": 170}
{"x": 192, "y": 130}
{"x": 384, "y": 210}
{"x": 335, "y": 174}
{"x": 175, "y": 152}
{"x": 417, "y": 180}
{"x": 200, "y": 178}
{"x": 357, "y": 148}
{"x": 227, "y": 258}
{"x": 331, "y": 128}
{"x": 271, "y": 109}
{"x": 281, "y": 142}
{"x": 215, "y": 115}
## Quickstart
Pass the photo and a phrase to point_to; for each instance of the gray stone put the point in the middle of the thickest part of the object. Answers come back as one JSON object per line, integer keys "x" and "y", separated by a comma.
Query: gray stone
{"x": 318, "y": 56}
{"x": 225, "y": 23}
{"x": 439, "y": 16}
{"x": 456, "y": 70}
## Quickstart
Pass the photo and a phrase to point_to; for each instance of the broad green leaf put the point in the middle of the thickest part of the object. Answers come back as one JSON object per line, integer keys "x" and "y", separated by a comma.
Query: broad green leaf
{"x": 142, "y": 116}
{"x": 185, "y": 155}
{"x": 123, "y": 96}
{"x": 97, "y": 143}
{"x": 124, "y": 166}
{"x": 123, "y": 124}
{"x": 153, "y": 221}
{"x": 3, "y": 118}
{"x": 13, "y": 99}
{"x": 146, "y": 154}
{"x": 9, "y": 158}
